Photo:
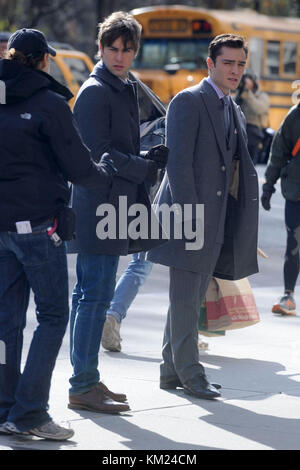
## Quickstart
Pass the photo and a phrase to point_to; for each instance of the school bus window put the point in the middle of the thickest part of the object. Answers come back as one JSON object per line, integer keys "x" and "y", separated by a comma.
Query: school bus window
{"x": 289, "y": 57}
{"x": 151, "y": 54}
{"x": 273, "y": 58}
{"x": 57, "y": 73}
{"x": 188, "y": 53}
{"x": 78, "y": 68}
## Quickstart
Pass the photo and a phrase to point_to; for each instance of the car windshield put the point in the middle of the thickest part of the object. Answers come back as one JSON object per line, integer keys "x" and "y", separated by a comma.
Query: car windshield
{"x": 186, "y": 53}
{"x": 79, "y": 69}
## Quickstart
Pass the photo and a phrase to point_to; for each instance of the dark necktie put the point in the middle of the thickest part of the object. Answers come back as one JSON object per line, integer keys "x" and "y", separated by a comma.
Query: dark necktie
{"x": 226, "y": 104}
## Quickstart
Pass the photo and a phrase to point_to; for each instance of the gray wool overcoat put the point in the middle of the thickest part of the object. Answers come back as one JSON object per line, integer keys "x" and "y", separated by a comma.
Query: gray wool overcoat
{"x": 199, "y": 172}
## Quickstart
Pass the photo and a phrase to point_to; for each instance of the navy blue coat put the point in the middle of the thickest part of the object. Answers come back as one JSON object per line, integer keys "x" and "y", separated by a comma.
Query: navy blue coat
{"x": 106, "y": 111}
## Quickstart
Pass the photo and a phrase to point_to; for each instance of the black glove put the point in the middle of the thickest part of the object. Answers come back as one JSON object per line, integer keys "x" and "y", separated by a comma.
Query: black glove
{"x": 107, "y": 165}
{"x": 265, "y": 200}
{"x": 152, "y": 172}
{"x": 159, "y": 154}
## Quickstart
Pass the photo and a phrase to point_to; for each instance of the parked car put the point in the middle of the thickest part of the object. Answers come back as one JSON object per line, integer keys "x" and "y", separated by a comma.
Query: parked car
{"x": 4, "y": 37}
{"x": 152, "y": 123}
{"x": 70, "y": 67}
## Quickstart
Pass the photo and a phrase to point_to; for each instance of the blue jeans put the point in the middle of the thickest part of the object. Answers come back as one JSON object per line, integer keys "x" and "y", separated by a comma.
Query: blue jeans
{"x": 96, "y": 280}
{"x": 128, "y": 285}
{"x": 30, "y": 261}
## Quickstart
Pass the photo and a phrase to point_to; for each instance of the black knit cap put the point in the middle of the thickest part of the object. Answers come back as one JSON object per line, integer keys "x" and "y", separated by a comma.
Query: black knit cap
{"x": 30, "y": 42}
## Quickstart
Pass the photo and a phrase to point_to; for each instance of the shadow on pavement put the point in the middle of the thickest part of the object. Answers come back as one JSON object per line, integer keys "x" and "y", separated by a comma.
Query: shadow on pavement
{"x": 250, "y": 375}
{"x": 136, "y": 437}
{"x": 131, "y": 357}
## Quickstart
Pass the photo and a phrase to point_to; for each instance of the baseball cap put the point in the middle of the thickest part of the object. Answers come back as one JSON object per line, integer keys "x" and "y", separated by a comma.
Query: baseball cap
{"x": 30, "y": 42}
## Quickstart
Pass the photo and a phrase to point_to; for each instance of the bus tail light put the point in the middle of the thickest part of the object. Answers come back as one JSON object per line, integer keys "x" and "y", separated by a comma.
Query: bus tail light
{"x": 201, "y": 27}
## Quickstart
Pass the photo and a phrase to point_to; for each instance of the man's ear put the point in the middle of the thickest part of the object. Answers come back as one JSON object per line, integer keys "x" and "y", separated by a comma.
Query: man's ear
{"x": 100, "y": 49}
{"x": 209, "y": 62}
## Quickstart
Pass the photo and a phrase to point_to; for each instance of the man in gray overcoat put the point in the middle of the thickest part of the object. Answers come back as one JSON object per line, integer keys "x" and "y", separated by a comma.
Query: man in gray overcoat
{"x": 107, "y": 114}
{"x": 209, "y": 167}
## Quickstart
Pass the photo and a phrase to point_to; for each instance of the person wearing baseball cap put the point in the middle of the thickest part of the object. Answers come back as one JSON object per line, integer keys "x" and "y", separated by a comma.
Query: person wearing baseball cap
{"x": 4, "y": 37}
{"x": 30, "y": 42}
{"x": 41, "y": 150}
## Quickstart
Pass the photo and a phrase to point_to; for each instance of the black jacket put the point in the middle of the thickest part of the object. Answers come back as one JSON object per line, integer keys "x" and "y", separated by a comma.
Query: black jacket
{"x": 281, "y": 163}
{"x": 40, "y": 148}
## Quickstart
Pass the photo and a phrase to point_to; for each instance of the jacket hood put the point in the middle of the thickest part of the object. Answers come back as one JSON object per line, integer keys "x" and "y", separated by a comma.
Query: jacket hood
{"x": 21, "y": 82}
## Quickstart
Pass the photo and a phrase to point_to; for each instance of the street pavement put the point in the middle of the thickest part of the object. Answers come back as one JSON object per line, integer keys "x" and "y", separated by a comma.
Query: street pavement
{"x": 258, "y": 367}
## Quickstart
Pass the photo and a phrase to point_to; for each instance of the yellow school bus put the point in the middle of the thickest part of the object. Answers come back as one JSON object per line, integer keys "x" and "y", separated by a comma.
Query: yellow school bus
{"x": 175, "y": 41}
{"x": 71, "y": 68}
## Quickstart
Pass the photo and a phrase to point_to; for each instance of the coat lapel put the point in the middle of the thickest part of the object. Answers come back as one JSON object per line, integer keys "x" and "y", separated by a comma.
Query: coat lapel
{"x": 131, "y": 95}
{"x": 242, "y": 147}
{"x": 101, "y": 72}
{"x": 214, "y": 109}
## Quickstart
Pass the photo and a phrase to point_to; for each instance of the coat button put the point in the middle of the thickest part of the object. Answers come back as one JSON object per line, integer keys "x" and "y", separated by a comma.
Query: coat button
{"x": 219, "y": 193}
{"x": 223, "y": 168}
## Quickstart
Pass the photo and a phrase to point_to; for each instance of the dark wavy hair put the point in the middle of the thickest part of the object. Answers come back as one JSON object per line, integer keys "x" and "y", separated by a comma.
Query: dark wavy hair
{"x": 226, "y": 40}
{"x": 120, "y": 24}
{"x": 28, "y": 60}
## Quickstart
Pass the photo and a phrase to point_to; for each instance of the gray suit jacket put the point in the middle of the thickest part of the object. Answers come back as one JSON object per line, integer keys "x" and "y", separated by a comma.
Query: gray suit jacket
{"x": 199, "y": 172}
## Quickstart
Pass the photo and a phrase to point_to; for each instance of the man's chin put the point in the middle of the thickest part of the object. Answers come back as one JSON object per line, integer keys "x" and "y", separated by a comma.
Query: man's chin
{"x": 119, "y": 73}
{"x": 233, "y": 86}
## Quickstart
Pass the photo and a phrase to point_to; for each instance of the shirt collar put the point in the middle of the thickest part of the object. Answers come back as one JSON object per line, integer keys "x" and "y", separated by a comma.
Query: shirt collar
{"x": 217, "y": 89}
{"x": 124, "y": 80}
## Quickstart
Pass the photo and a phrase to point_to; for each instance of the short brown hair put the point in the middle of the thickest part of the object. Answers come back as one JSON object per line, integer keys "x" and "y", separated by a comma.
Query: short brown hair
{"x": 226, "y": 40}
{"x": 120, "y": 24}
{"x": 32, "y": 62}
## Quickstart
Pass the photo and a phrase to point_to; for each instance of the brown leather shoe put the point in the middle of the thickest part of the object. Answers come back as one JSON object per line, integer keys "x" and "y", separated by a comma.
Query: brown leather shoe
{"x": 120, "y": 397}
{"x": 96, "y": 400}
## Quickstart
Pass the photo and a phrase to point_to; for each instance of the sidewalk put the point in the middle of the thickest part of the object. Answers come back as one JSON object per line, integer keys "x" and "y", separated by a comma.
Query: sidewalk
{"x": 258, "y": 367}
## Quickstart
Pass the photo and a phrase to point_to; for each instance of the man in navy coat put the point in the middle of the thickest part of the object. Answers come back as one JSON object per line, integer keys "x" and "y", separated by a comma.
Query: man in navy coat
{"x": 107, "y": 114}
{"x": 209, "y": 167}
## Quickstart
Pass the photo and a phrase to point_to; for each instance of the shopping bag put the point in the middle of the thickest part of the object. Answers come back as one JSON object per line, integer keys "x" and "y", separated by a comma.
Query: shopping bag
{"x": 202, "y": 324}
{"x": 230, "y": 305}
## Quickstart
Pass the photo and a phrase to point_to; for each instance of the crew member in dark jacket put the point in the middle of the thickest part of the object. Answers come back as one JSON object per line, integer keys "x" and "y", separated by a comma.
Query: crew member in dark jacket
{"x": 284, "y": 163}
{"x": 41, "y": 151}
{"x": 107, "y": 114}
